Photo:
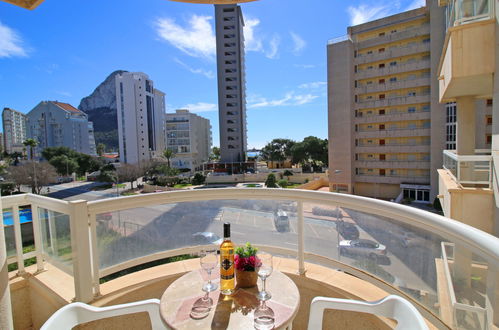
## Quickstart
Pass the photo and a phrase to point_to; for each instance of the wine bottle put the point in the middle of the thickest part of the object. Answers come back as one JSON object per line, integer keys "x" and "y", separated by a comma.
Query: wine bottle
{"x": 227, "y": 280}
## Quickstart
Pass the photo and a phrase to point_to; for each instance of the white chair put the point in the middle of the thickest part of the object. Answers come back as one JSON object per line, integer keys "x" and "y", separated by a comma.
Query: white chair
{"x": 77, "y": 313}
{"x": 395, "y": 307}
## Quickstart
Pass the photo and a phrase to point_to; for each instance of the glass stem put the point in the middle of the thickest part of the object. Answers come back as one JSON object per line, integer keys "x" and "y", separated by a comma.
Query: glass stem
{"x": 263, "y": 284}
{"x": 209, "y": 277}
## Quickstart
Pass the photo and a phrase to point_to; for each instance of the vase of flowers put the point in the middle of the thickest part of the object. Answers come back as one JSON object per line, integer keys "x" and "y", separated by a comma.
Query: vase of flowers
{"x": 246, "y": 262}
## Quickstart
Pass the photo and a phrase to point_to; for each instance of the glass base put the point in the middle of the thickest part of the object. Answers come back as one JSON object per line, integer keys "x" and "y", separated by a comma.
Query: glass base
{"x": 201, "y": 308}
{"x": 264, "y": 318}
{"x": 209, "y": 287}
{"x": 227, "y": 292}
{"x": 264, "y": 295}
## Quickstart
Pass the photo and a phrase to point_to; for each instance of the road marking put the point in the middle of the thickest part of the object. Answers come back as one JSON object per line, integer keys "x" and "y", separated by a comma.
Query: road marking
{"x": 314, "y": 231}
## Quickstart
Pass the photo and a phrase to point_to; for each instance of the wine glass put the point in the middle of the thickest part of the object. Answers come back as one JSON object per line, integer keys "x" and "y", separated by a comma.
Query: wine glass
{"x": 264, "y": 269}
{"x": 264, "y": 317}
{"x": 209, "y": 260}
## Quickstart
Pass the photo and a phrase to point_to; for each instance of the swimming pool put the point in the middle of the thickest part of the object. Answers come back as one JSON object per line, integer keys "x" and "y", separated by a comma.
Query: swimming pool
{"x": 24, "y": 216}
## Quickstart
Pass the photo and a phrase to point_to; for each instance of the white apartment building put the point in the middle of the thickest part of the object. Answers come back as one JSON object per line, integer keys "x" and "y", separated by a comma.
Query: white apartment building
{"x": 14, "y": 129}
{"x": 57, "y": 124}
{"x": 141, "y": 118}
{"x": 189, "y": 136}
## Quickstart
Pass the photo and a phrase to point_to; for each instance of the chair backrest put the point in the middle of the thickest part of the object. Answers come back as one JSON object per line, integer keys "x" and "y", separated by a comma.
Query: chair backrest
{"x": 77, "y": 313}
{"x": 395, "y": 307}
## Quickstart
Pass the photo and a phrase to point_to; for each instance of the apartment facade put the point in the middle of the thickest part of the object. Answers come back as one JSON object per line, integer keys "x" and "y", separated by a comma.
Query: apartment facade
{"x": 229, "y": 24}
{"x": 141, "y": 118}
{"x": 386, "y": 125}
{"x": 467, "y": 79}
{"x": 56, "y": 124}
{"x": 14, "y": 130}
{"x": 189, "y": 137}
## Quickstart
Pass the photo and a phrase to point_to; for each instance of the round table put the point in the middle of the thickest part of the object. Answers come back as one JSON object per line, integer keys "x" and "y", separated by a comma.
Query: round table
{"x": 228, "y": 312}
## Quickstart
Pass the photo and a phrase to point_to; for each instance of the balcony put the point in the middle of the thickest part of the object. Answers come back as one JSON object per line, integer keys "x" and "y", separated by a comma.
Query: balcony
{"x": 419, "y": 130}
{"x": 388, "y": 164}
{"x": 407, "y": 67}
{"x": 392, "y": 52}
{"x": 78, "y": 243}
{"x": 392, "y": 37}
{"x": 388, "y": 86}
{"x": 393, "y": 116}
{"x": 467, "y": 63}
{"x": 393, "y": 147}
{"x": 392, "y": 179}
{"x": 393, "y": 101}
{"x": 467, "y": 180}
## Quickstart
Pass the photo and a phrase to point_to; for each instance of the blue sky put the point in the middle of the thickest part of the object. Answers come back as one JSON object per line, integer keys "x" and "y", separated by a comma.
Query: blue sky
{"x": 63, "y": 49}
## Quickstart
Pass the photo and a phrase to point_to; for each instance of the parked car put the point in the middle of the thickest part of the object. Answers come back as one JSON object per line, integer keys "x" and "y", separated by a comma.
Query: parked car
{"x": 362, "y": 247}
{"x": 347, "y": 230}
{"x": 281, "y": 220}
{"x": 206, "y": 237}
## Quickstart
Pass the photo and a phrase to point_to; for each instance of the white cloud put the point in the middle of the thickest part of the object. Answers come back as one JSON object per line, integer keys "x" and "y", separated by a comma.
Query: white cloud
{"x": 416, "y": 4}
{"x": 299, "y": 43}
{"x": 313, "y": 85}
{"x": 251, "y": 42}
{"x": 197, "y": 39}
{"x": 365, "y": 13}
{"x": 290, "y": 99}
{"x": 10, "y": 43}
{"x": 304, "y": 66}
{"x": 207, "y": 73}
{"x": 200, "y": 107}
{"x": 272, "y": 52}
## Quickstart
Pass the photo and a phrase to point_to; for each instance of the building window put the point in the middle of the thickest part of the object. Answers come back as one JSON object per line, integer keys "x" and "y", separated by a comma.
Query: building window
{"x": 488, "y": 138}
{"x": 381, "y": 65}
{"x": 381, "y": 50}
{"x": 228, "y": 10}
{"x": 489, "y": 120}
{"x": 369, "y": 52}
{"x": 394, "y": 63}
{"x": 382, "y": 127}
{"x": 393, "y": 79}
{"x": 381, "y": 34}
{"x": 381, "y": 81}
{"x": 381, "y": 112}
{"x": 381, "y": 96}
{"x": 489, "y": 102}
{"x": 450, "y": 126}
{"x": 411, "y": 109}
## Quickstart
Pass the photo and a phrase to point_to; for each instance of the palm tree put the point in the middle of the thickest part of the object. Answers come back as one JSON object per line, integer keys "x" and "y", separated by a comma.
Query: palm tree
{"x": 168, "y": 153}
{"x": 31, "y": 143}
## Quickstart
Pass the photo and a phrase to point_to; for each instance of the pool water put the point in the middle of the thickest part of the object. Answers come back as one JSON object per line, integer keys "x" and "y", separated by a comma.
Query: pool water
{"x": 24, "y": 216}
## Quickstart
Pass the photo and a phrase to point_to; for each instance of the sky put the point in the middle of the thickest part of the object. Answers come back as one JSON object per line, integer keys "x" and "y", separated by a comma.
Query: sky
{"x": 63, "y": 50}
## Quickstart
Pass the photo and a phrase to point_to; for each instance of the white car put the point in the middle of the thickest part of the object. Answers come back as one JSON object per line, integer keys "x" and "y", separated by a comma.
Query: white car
{"x": 363, "y": 247}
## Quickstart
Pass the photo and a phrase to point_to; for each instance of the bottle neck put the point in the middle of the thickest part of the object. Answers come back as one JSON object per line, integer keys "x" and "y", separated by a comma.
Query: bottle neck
{"x": 226, "y": 238}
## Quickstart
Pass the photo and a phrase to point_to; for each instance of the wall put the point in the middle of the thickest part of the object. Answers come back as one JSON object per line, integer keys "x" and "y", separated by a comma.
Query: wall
{"x": 261, "y": 177}
{"x": 377, "y": 190}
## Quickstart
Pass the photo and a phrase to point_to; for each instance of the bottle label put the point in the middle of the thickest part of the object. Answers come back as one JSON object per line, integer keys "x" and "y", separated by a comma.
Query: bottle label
{"x": 227, "y": 264}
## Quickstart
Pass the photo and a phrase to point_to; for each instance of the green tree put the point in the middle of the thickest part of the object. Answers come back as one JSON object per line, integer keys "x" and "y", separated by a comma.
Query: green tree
{"x": 271, "y": 181}
{"x": 50, "y": 152}
{"x": 64, "y": 165}
{"x": 287, "y": 173}
{"x": 198, "y": 179}
{"x": 16, "y": 156}
{"x": 299, "y": 154}
{"x": 277, "y": 150}
{"x": 282, "y": 183}
{"x": 31, "y": 143}
{"x": 101, "y": 148}
{"x": 215, "y": 153}
{"x": 87, "y": 163}
{"x": 168, "y": 154}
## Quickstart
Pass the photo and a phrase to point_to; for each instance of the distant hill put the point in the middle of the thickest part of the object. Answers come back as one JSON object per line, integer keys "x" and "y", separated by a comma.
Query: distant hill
{"x": 102, "y": 111}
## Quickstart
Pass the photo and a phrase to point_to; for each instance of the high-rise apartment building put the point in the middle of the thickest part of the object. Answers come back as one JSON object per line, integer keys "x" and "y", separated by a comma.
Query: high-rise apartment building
{"x": 141, "y": 118}
{"x": 231, "y": 83}
{"x": 57, "y": 124}
{"x": 14, "y": 130}
{"x": 386, "y": 126}
{"x": 189, "y": 137}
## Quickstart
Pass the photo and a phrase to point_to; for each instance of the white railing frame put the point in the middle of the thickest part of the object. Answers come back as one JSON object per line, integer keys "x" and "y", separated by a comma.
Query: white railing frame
{"x": 468, "y": 158}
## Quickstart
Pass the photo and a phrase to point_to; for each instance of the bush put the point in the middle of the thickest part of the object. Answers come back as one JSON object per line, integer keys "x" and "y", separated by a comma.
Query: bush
{"x": 271, "y": 181}
{"x": 283, "y": 183}
{"x": 306, "y": 180}
{"x": 198, "y": 179}
{"x": 7, "y": 188}
{"x": 106, "y": 176}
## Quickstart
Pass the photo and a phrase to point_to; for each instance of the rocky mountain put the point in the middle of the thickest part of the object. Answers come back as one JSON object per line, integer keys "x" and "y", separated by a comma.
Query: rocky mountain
{"x": 102, "y": 111}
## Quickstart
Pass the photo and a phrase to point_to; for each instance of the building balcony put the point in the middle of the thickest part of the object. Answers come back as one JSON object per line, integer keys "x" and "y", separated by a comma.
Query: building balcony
{"x": 392, "y": 179}
{"x": 390, "y": 70}
{"x": 388, "y": 164}
{"x": 393, "y": 116}
{"x": 393, "y": 101}
{"x": 467, "y": 64}
{"x": 393, "y": 132}
{"x": 420, "y": 47}
{"x": 392, "y": 147}
{"x": 397, "y": 36}
{"x": 389, "y": 86}
{"x": 469, "y": 170}
{"x": 78, "y": 243}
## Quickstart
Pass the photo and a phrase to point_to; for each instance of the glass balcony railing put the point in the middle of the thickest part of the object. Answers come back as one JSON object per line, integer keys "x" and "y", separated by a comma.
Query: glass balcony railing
{"x": 469, "y": 170}
{"x": 460, "y": 12}
{"x": 98, "y": 238}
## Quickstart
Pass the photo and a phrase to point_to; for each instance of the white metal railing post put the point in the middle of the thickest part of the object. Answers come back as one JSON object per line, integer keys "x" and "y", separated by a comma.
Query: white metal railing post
{"x": 37, "y": 237}
{"x": 95, "y": 253}
{"x": 301, "y": 239}
{"x": 5, "y": 303}
{"x": 18, "y": 240}
{"x": 81, "y": 251}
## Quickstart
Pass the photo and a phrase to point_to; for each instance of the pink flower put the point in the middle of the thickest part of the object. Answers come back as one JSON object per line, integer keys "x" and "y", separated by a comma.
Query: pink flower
{"x": 252, "y": 260}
